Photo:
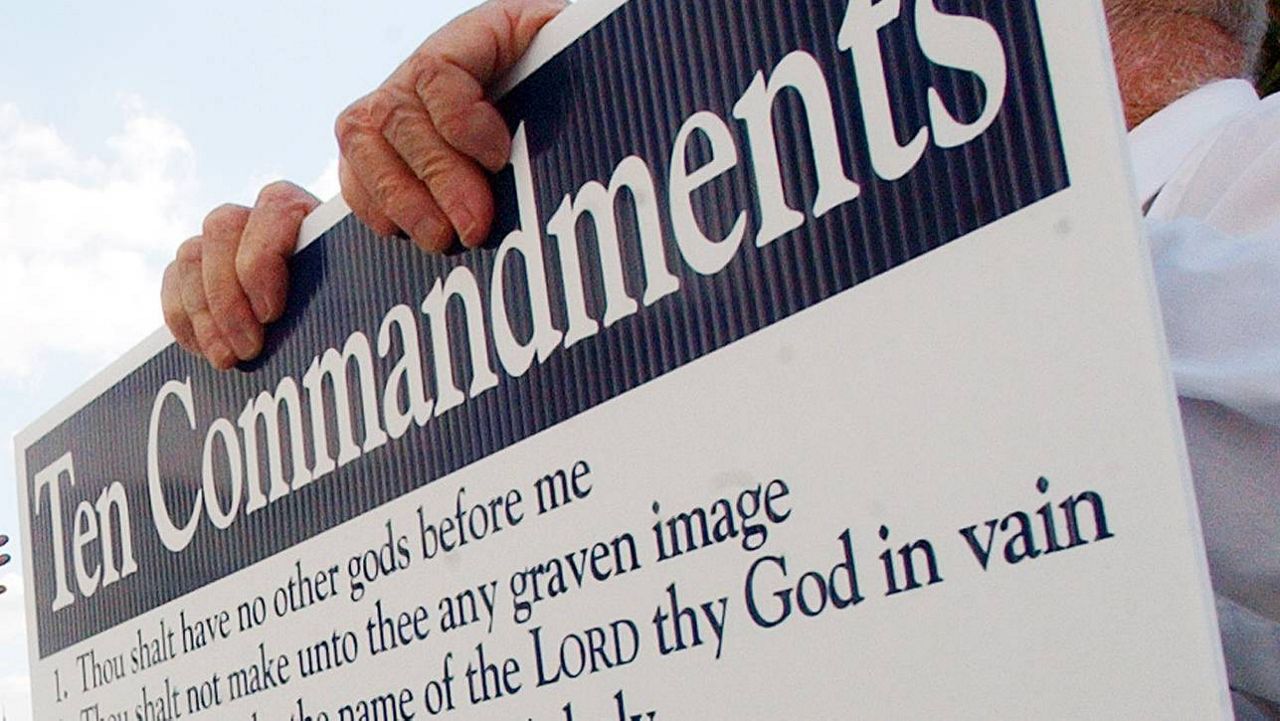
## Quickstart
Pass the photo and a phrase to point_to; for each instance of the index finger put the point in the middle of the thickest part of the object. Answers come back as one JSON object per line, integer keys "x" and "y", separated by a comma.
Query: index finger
{"x": 453, "y": 68}
{"x": 488, "y": 40}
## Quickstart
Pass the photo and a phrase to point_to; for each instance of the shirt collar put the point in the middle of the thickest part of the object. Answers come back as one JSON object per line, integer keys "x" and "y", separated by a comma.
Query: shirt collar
{"x": 1162, "y": 142}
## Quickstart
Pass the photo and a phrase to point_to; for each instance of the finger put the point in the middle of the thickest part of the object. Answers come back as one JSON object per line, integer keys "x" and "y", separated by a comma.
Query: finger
{"x": 487, "y": 41}
{"x": 227, "y": 301}
{"x": 456, "y": 103}
{"x": 208, "y": 337}
{"x": 268, "y": 241}
{"x": 392, "y": 186}
{"x": 457, "y": 183}
{"x": 357, "y": 198}
{"x": 175, "y": 315}
{"x": 454, "y": 66}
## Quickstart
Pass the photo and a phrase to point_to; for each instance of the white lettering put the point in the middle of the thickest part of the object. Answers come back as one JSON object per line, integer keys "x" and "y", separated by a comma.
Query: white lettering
{"x": 460, "y": 284}
{"x": 266, "y": 408}
{"x": 51, "y": 477}
{"x": 703, "y": 254}
{"x": 334, "y": 365}
{"x": 516, "y": 357}
{"x": 800, "y": 72}
{"x": 860, "y": 35}
{"x": 406, "y": 377}
{"x": 963, "y": 43}
{"x": 174, "y": 538}
{"x": 220, "y": 517}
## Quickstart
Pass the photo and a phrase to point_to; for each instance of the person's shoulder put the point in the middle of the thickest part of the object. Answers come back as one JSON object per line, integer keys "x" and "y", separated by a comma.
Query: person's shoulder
{"x": 1257, "y": 125}
{"x": 1234, "y": 182}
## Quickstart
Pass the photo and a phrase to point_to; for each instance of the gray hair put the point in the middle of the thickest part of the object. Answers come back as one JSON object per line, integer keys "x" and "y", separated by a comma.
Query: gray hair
{"x": 1244, "y": 20}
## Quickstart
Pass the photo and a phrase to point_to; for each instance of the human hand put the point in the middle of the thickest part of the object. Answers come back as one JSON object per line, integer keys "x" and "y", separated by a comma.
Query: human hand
{"x": 415, "y": 150}
{"x": 4, "y": 557}
{"x": 228, "y": 282}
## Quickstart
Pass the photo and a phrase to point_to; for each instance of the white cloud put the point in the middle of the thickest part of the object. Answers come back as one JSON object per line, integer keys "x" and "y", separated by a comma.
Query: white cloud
{"x": 324, "y": 186}
{"x": 12, "y": 614}
{"x": 84, "y": 238}
{"x": 15, "y": 694}
{"x": 15, "y": 684}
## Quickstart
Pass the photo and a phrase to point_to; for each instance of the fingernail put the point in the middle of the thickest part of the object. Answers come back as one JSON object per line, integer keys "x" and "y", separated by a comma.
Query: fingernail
{"x": 3, "y": 589}
{"x": 4, "y": 558}
{"x": 246, "y": 341}
{"x": 496, "y": 158}
{"x": 431, "y": 235}
{"x": 467, "y": 226}
{"x": 251, "y": 337}
{"x": 4, "y": 540}
{"x": 220, "y": 356}
{"x": 263, "y": 308}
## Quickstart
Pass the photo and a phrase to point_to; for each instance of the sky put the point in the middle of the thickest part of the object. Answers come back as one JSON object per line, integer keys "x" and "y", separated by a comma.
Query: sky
{"x": 121, "y": 125}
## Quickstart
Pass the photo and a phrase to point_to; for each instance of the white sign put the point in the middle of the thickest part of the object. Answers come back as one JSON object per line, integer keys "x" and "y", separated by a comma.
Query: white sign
{"x": 812, "y": 371}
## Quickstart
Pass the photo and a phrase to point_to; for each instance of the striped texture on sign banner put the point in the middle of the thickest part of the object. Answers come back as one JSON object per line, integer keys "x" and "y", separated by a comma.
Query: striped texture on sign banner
{"x": 623, "y": 89}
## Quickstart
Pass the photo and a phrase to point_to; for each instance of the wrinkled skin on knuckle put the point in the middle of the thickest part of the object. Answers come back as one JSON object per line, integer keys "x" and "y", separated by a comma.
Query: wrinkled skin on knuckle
{"x": 436, "y": 166}
{"x": 388, "y": 191}
{"x": 356, "y": 120}
{"x": 422, "y": 68}
{"x": 400, "y": 121}
{"x": 454, "y": 121}
{"x": 380, "y": 105}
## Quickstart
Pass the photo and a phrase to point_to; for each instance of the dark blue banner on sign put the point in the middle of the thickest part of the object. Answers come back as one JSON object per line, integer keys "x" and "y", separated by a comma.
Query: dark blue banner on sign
{"x": 686, "y": 173}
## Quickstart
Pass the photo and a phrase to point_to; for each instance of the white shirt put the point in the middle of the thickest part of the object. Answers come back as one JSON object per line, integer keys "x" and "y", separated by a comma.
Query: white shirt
{"x": 1208, "y": 174}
